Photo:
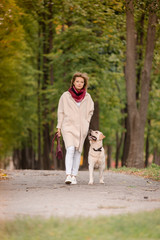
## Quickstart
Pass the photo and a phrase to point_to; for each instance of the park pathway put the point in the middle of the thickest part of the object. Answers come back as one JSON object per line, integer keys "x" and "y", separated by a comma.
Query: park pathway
{"x": 43, "y": 193}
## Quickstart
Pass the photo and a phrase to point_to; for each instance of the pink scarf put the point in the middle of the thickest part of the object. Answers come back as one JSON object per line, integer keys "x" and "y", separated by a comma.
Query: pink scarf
{"x": 77, "y": 95}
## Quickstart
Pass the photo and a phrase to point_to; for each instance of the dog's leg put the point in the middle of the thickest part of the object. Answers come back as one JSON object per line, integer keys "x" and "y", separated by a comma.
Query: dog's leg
{"x": 91, "y": 167}
{"x": 101, "y": 177}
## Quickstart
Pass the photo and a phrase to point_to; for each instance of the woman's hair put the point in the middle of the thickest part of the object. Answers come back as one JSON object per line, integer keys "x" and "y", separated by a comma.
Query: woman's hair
{"x": 82, "y": 75}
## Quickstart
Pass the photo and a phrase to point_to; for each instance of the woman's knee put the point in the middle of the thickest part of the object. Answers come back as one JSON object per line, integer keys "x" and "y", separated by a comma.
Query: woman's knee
{"x": 71, "y": 150}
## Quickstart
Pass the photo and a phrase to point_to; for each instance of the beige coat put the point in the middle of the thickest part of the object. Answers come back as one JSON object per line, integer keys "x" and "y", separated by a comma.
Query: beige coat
{"x": 73, "y": 120}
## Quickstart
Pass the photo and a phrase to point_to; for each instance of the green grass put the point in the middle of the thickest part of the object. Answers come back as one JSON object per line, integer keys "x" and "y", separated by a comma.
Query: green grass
{"x": 152, "y": 172}
{"x": 141, "y": 226}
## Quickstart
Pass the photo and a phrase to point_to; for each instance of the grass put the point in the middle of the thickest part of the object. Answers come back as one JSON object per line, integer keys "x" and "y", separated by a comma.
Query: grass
{"x": 152, "y": 172}
{"x": 141, "y": 226}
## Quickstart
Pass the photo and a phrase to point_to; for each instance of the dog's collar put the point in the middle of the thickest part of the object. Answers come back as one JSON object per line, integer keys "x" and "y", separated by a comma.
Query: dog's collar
{"x": 98, "y": 150}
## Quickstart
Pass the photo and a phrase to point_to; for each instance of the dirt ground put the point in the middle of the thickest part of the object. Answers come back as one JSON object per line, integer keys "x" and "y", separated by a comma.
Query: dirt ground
{"x": 43, "y": 193}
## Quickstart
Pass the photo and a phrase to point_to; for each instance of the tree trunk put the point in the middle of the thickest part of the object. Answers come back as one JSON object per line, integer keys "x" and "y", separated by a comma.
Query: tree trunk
{"x": 25, "y": 156}
{"x": 137, "y": 117}
{"x": 130, "y": 75}
{"x": 147, "y": 143}
{"x": 109, "y": 156}
{"x": 139, "y": 53}
{"x": 23, "y": 164}
{"x": 85, "y": 153}
{"x": 61, "y": 163}
{"x": 94, "y": 124}
{"x": 146, "y": 76}
{"x": 126, "y": 139}
{"x": 51, "y": 76}
{"x": 30, "y": 152}
{"x": 124, "y": 135}
{"x": 64, "y": 154}
{"x": 156, "y": 157}
{"x": 17, "y": 158}
{"x": 46, "y": 129}
{"x": 118, "y": 147}
{"x": 40, "y": 162}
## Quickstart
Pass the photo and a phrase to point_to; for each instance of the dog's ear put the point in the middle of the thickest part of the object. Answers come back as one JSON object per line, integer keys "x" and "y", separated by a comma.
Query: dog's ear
{"x": 101, "y": 136}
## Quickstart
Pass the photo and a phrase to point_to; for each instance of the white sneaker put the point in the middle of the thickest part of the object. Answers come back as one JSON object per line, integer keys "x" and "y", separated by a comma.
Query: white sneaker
{"x": 68, "y": 179}
{"x": 74, "y": 181}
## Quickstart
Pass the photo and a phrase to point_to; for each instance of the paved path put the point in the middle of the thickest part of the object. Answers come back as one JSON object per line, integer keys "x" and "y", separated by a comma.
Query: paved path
{"x": 29, "y": 192}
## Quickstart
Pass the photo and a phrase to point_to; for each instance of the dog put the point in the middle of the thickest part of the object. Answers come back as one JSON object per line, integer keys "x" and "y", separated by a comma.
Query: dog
{"x": 96, "y": 156}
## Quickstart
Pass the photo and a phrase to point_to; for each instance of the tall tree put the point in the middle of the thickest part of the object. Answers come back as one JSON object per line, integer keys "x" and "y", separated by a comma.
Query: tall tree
{"x": 137, "y": 113}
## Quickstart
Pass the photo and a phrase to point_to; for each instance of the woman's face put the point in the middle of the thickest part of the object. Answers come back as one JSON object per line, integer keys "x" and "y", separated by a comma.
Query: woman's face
{"x": 79, "y": 83}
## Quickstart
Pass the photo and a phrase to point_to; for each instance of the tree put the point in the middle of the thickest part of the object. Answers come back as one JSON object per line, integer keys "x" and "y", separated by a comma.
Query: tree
{"x": 137, "y": 113}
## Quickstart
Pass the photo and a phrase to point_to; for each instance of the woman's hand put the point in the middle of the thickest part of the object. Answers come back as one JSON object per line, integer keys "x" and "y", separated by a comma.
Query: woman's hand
{"x": 59, "y": 132}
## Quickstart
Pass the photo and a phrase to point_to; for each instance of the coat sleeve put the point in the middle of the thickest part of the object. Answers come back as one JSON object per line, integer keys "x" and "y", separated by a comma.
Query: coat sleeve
{"x": 91, "y": 109}
{"x": 60, "y": 113}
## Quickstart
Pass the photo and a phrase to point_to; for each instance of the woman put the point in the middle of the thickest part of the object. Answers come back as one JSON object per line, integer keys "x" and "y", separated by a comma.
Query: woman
{"x": 75, "y": 110}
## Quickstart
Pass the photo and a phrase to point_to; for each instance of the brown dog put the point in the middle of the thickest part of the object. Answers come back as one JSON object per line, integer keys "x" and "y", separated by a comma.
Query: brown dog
{"x": 96, "y": 156}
